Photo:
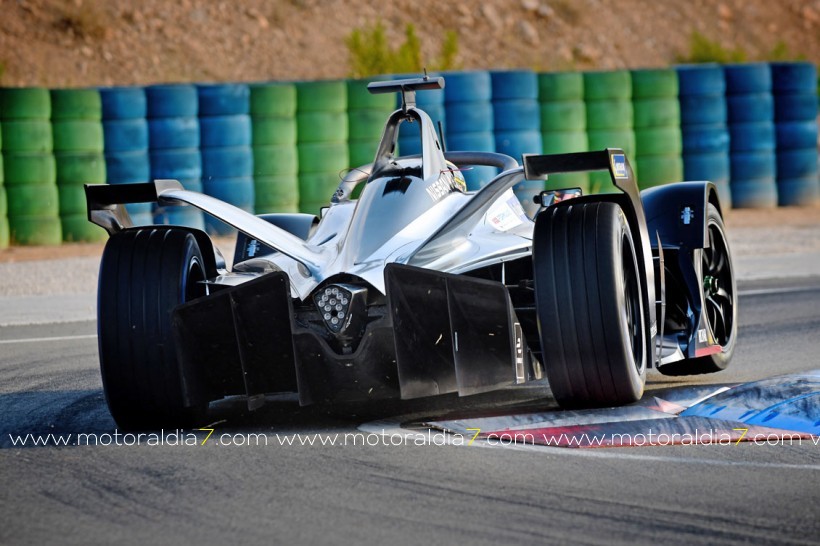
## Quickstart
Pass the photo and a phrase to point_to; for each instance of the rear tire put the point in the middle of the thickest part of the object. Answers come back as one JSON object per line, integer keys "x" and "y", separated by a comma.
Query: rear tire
{"x": 144, "y": 274}
{"x": 590, "y": 306}
{"x": 720, "y": 301}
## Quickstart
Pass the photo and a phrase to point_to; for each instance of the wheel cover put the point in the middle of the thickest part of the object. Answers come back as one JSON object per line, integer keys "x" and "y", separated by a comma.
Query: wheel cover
{"x": 718, "y": 286}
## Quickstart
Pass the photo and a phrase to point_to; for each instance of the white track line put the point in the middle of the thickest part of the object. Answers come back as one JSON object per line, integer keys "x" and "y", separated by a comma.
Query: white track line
{"x": 391, "y": 427}
{"x": 773, "y": 291}
{"x": 46, "y": 339}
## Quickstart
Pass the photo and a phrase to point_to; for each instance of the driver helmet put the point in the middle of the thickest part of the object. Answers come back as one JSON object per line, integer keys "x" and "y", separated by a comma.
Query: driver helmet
{"x": 457, "y": 175}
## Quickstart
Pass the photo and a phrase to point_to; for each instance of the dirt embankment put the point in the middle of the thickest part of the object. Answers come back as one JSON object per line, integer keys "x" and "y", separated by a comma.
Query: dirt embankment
{"x": 101, "y": 42}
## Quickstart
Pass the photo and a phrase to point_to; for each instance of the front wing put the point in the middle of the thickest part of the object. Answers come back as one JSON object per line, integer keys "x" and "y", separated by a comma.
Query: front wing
{"x": 442, "y": 334}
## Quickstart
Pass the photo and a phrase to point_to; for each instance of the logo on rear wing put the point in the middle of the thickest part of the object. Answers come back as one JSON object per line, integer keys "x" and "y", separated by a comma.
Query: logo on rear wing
{"x": 619, "y": 166}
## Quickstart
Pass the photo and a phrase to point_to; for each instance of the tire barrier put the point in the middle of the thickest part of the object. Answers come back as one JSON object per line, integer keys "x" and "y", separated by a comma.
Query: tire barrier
{"x": 275, "y": 156}
{"x": 125, "y": 135}
{"x": 793, "y": 77}
{"x": 795, "y": 106}
{"x": 705, "y": 135}
{"x": 273, "y": 131}
{"x": 126, "y": 142}
{"x": 177, "y": 164}
{"x": 225, "y": 145}
{"x": 75, "y": 104}
{"x": 29, "y": 168}
{"x": 320, "y": 167}
{"x": 28, "y": 194}
{"x": 609, "y": 118}
{"x": 78, "y": 151}
{"x": 470, "y": 123}
{"x": 276, "y": 193}
{"x": 322, "y": 135}
{"x": 702, "y": 109}
{"x": 129, "y": 166}
{"x": 224, "y": 99}
{"x": 173, "y": 133}
{"x": 469, "y": 117}
{"x": 275, "y": 160}
{"x": 656, "y": 121}
{"x": 750, "y": 115}
{"x": 517, "y": 124}
{"x": 563, "y": 122}
{"x": 749, "y": 107}
{"x": 321, "y": 96}
{"x": 750, "y": 128}
{"x": 33, "y": 200}
{"x": 752, "y": 136}
{"x": 78, "y": 135}
{"x": 273, "y": 100}
{"x": 173, "y": 145}
{"x": 225, "y": 189}
{"x": 79, "y": 168}
{"x": 606, "y": 85}
{"x": 4, "y": 225}
{"x": 123, "y": 103}
{"x": 514, "y": 143}
{"x": 28, "y": 136}
{"x": 35, "y": 230}
{"x": 794, "y": 86}
{"x": 25, "y": 103}
{"x": 227, "y": 162}
{"x": 171, "y": 101}
{"x": 4, "y": 203}
{"x": 560, "y": 86}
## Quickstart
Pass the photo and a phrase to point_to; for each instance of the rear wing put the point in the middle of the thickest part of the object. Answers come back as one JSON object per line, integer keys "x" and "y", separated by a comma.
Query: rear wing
{"x": 105, "y": 200}
{"x": 613, "y": 160}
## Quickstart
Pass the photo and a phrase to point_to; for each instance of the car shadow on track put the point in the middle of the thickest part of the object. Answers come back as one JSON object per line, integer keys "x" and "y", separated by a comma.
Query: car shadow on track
{"x": 64, "y": 413}
{"x": 57, "y": 413}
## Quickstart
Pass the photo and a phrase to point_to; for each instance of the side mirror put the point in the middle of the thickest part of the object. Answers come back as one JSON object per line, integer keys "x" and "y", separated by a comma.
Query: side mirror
{"x": 547, "y": 198}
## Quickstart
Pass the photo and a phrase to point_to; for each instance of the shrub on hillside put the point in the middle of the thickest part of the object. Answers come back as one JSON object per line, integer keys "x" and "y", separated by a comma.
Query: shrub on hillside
{"x": 371, "y": 52}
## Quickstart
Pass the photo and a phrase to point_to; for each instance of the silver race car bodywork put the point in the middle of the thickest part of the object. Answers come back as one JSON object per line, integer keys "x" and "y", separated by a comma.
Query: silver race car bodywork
{"x": 416, "y": 288}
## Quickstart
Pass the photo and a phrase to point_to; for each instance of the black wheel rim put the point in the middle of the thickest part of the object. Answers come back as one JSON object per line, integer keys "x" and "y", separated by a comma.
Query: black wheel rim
{"x": 632, "y": 304}
{"x": 718, "y": 286}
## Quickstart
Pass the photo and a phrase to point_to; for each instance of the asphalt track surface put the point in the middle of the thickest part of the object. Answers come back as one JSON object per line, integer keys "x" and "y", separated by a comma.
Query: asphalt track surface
{"x": 432, "y": 494}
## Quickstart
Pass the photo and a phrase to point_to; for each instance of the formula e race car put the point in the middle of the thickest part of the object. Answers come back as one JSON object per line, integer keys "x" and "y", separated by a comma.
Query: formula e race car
{"x": 417, "y": 288}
